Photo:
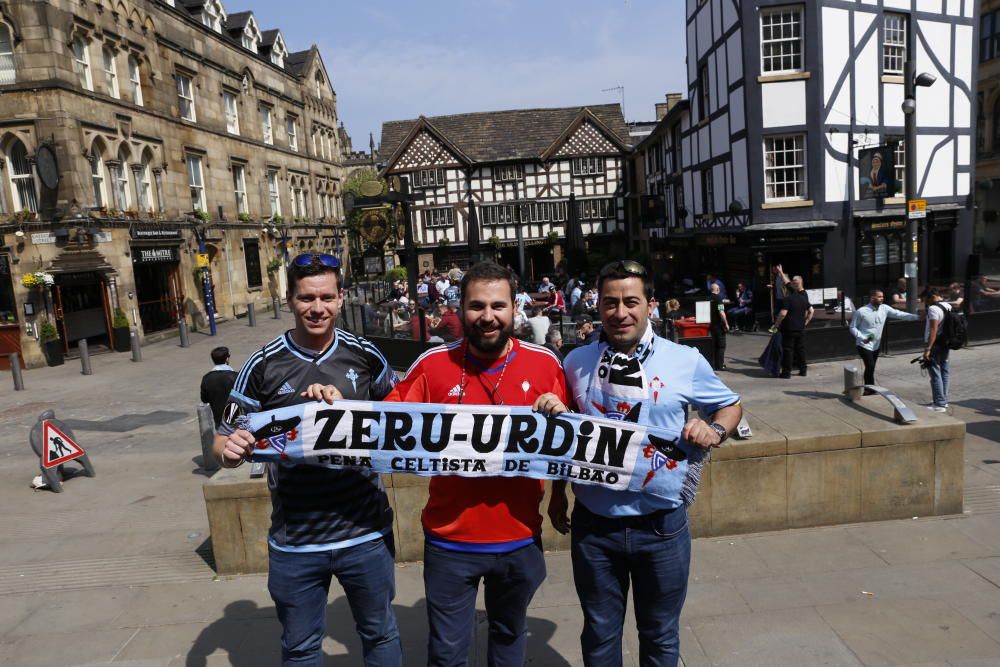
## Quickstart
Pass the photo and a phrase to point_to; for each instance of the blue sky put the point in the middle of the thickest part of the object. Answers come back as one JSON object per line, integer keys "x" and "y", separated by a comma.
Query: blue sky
{"x": 394, "y": 60}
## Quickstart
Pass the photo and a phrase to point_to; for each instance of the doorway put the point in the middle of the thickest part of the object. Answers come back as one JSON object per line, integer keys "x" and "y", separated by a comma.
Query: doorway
{"x": 158, "y": 294}
{"x": 82, "y": 310}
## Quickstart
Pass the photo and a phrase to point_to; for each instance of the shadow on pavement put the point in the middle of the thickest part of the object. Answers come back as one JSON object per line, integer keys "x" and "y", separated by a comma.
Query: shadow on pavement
{"x": 128, "y": 422}
{"x": 251, "y": 636}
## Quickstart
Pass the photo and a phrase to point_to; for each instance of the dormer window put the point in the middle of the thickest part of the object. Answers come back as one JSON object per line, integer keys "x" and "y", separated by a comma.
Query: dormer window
{"x": 250, "y": 38}
{"x": 248, "y": 42}
{"x": 278, "y": 52}
{"x": 212, "y": 15}
{"x": 319, "y": 85}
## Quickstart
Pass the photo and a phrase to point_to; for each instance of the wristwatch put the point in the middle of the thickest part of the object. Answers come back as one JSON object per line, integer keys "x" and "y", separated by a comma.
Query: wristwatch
{"x": 721, "y": 430}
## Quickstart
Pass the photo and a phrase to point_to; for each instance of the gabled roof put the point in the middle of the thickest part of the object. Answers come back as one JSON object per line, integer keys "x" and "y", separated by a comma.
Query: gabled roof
{"x": 191, "y": 4}
{"x": 269, "y": 37}
{"x": 296, "y": 62}
{"x": 519, "y": 134}
{"x": 672, "y": 117}
{"x": 238, "y": 21}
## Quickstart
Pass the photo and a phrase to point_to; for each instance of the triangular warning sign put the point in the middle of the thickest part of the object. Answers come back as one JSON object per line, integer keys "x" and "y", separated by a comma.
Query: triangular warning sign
{"x": 57, "y": 447}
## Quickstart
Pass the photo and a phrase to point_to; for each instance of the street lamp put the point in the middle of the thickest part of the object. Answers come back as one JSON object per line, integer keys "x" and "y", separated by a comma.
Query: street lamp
{"x": 911, "y": 81}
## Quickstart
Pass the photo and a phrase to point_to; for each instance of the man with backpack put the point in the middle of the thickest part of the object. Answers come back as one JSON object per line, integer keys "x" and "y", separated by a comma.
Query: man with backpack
{"x": 943, "y": 332}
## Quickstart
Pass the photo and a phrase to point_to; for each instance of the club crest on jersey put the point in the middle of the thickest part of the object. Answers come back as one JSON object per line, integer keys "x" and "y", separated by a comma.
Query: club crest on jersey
{"x": 661, "y": 454}
{"x": 621, "y": 412}
{"x": 277, "y": 434}
{"x": 352, "y": 375}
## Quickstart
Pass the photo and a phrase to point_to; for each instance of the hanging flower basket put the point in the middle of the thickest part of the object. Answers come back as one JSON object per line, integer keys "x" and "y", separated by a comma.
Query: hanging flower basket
{"x": 37, "y": 279}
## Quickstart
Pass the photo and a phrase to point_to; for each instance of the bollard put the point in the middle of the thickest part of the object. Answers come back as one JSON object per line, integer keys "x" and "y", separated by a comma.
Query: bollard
{"x": 206, "y": 426}
{"x": 251, "y": 315}
{"x": 276, "y": 305}
{"x": 854, "y": 382}
{"x": 15, "y": 370}
{"x": 133, "y": 336}
{"x": 84, "y": 357}
{"x": 182, "y": 327}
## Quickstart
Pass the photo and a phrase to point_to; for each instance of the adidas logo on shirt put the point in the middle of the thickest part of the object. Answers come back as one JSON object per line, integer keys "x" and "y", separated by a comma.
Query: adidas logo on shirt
{"x": 455, "y": 391}
{"x": 286, "y": 389}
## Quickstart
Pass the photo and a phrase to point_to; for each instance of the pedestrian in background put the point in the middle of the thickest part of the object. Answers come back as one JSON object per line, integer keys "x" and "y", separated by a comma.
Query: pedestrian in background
{"x": 718, "y": 328}
{"x": 794, "y": 316}
{"x": 217, "y": 383}
{"x": 867, "y": 325}
{"x": 936, "y": 351}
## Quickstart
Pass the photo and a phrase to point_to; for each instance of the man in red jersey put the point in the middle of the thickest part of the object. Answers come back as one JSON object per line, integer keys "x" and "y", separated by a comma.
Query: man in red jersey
{"x": 483, "y": 528}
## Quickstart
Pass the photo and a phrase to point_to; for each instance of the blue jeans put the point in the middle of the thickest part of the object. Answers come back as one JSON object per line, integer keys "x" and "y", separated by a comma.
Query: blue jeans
{"x": 652, "y": 552}
{"x": 451, "y": 580}
{"x": 940, "y": 374}
{"x": 300, "y": 582}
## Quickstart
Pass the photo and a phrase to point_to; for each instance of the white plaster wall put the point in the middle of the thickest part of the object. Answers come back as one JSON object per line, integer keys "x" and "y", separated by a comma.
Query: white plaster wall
{"x": 866, "y": 68}
{"x": 737, "y": 114}
{"x": 729, "y": 15}
{"x": 719, "y": 188}
{"x": 720, "y": 135}
{"x": 734, "y": 56}
{"x": 963, "y": 150}
{"x": 835, "y": 55}
{"x": 963, "y": 69}
{"x": 897, "y": 4}
{"x": 931, "y": 112}
{"x": 941, "y": 168}
{"x": 704, "y": 25}
{"x": 704, "y": 148}
{"x": 892, "y": 104}
{"x": 741, "y": 185}
{"x": 835, "y": 170}
{"x": 783, "y": 103}
{"x": 929, "y": 6}
{"x": 954, "y": 7}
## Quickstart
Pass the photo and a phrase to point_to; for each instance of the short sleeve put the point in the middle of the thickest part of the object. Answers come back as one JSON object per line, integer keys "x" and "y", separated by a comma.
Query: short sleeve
{"x": 383, "y": 377}
{"x": 708, "y": 393}
{"x": 243, "y": 399}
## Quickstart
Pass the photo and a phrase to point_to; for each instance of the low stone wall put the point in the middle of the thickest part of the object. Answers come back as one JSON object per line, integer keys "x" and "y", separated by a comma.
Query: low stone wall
{"x": 810, "y": 462}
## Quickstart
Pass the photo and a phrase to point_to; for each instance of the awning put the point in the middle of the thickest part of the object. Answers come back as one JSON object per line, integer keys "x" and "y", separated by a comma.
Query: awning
{"x": 900, "y": 211}
{"x": 794, "y": 226}
{"x": 80, "y": 261}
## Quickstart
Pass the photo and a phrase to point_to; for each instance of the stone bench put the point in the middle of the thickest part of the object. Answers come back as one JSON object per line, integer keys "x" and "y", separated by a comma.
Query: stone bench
{"x": 811, "y": 462}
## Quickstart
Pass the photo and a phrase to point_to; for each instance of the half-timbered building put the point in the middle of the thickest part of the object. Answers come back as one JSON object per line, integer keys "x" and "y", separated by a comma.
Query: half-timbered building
{"x": 520, "y": 171}
{"x": 783, "y": 96}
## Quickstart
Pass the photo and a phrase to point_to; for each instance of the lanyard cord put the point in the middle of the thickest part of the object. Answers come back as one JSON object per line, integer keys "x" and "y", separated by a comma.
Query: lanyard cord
{"x": 496, "y": 387}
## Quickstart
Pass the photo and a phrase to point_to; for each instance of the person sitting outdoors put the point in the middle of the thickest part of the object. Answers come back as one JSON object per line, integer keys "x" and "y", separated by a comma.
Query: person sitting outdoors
{"x": 742, "y": 312}
{"x": 984, "y": 297}
{"x": 585, "y": 331}
{"x": 539, "y": 325}
{"x": 448, "y": 326}
{"x": 899, "y": 296}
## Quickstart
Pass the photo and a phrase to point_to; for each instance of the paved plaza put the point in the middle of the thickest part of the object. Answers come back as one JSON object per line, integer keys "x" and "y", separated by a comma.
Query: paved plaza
{"x": 117, "y": 569}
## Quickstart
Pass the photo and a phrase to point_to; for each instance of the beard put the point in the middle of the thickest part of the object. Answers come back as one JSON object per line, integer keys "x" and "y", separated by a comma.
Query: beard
{"x": 475, "y": 336}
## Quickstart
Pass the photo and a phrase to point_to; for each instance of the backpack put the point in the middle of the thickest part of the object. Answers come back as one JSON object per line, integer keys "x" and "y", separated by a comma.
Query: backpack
{"x": 953, "y": 332}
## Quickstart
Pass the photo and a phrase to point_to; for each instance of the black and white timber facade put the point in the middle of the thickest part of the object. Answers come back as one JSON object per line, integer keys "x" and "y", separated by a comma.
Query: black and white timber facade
{"x": 781, "y": 96}
{"x": 516, "y": 168}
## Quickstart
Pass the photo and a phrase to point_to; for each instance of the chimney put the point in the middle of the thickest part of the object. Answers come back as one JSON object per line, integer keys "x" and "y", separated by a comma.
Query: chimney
{"x": 663, "y": 108}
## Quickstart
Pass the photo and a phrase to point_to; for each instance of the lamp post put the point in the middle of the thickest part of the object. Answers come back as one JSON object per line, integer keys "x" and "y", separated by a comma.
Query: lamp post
{"x": 910, "y": 83}
{"x": 520, "y": 233}
{"x": 206, "y": 278}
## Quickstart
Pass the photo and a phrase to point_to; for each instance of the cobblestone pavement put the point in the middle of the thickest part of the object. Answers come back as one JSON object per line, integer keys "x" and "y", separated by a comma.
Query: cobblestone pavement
{"x": 117, "y": 569}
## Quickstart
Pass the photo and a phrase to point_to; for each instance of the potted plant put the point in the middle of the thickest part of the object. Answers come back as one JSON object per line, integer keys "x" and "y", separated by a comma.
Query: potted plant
{"x": 48, "y": 337}
{"x": 273, "y": 266}
{"x": 244, "y": 217}
{"x": 120, "y": 327}
{"x": 202, "y": 215}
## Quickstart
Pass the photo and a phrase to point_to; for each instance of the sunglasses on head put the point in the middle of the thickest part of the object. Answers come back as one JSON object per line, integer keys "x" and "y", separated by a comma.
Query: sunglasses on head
{"x": 308, "y": 259}
{"x": 629, "y": 266}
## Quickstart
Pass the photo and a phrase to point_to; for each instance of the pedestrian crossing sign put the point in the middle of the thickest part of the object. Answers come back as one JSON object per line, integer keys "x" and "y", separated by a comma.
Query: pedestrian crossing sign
{"x": 57, "y": 447}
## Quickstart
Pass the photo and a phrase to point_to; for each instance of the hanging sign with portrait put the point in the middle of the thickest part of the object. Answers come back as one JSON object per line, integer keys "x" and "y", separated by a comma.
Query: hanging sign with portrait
{"x": 877, "y": 172}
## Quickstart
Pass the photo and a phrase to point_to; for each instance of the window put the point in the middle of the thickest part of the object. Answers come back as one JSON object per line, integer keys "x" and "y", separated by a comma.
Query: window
{"x": 144, "y": 186}
{"x": 781, "y": 40}
{"x": 899, "y": 155}
{"x": 546, "y": 211}
{"x": 251, "y": 255}
{"x": 980, "y": 123}
{"x": 7, "y": 71}
{"x": 597, "y": 209}
{"x": 784, "y": 168}
{"x": 110, "y": 72}
{"x": 291, "y": 126}
{"x": 265, "y": 125}
{"x": 894, "y": 44}
{"x": 510, "y": 172}
{"x": 81, "y": 62}
{"x": 319, "y": 85}
{"x": 679, "y": 204}
{"x": 428, "y": 178}
{"x": 22, "y": 182}
{"x": 249, "y": 41}
{"x": 587, "y": 166}
{"x": 185, "y": 97}
{"x": 120, "y": 182}
{"x": 97, "y": 176}
{"x": 196, "y": 183}
{"x": 996, "y": 126}
{"x": 232, "y": 115}
{"x": 272, "y": 191}
{"x": 707, "y": 193}
{"x": 212, "y": 15}
{"x": 989, "y": 38}
{"x": 278, "y": 52}
{"x": 134, "y": 78}
{"x": 240, "y": 188}
{"x": 497, "y": 214}
{"x": 704, "y": 96}
{"x": 439, "y": 217}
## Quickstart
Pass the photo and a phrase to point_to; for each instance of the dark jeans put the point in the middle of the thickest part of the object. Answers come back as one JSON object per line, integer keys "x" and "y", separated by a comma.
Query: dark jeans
{"x": 300, "y": 582}
{"x": 793, "y": 344}
{"x": 654, "y": 554}
{"x": 870, "y": 358}
{"x": 451, "y": 581}
{"x": 940, "y": 372}
{"x": 718, "y": 346}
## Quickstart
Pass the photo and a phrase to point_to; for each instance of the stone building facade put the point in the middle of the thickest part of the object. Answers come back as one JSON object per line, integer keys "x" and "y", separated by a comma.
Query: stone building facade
{"x": 139, "y": 136}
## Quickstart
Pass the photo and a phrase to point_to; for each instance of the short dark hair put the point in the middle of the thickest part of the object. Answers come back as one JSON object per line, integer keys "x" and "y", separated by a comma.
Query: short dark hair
{"x": 623, "y": 269}
{"x": 931, "y": 292}
{"x": 876, "y": 290}
{"x": 297, "y": 273}
{"x": 220, "y": 355}
{"x": 488, "y": 272}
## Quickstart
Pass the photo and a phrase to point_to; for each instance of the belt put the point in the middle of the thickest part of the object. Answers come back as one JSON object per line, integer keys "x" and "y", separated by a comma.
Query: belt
{"x": 632, "y": 521}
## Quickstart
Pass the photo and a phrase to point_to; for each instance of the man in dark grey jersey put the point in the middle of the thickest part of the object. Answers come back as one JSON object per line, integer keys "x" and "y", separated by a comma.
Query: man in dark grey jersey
{"x": 326, "y": 521}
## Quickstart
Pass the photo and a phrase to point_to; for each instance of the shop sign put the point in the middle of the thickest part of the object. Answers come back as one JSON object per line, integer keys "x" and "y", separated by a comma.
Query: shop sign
{"x": 877, "y": 172}
{"x": 154, "y": 233}
{"x": 102, "y": 237}
{"x": 884, "y": 225}
{"x": 154, "y": 255}
{"x": 42, "y": 237}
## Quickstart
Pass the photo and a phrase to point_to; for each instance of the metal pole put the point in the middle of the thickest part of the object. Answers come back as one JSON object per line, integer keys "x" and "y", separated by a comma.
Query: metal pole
{"x": 909, "y": 147}
{"x": 251, "y": 314}
{"x": 85, "y": 357}
{"x": 182, "y": 328}
{"x": 520, "y": 235}
{"x": 411, "y": 259}
{"x": 206, "y": 426}
{"x": 276, "y": 305}
{"x": 15, "y": 370}
{"x": 206, "y": 284}
{"x": 136, "y": 349}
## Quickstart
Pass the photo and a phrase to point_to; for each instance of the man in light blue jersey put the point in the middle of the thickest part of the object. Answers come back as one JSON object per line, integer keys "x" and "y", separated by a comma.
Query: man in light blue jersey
{"x": 867, "y": 325}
